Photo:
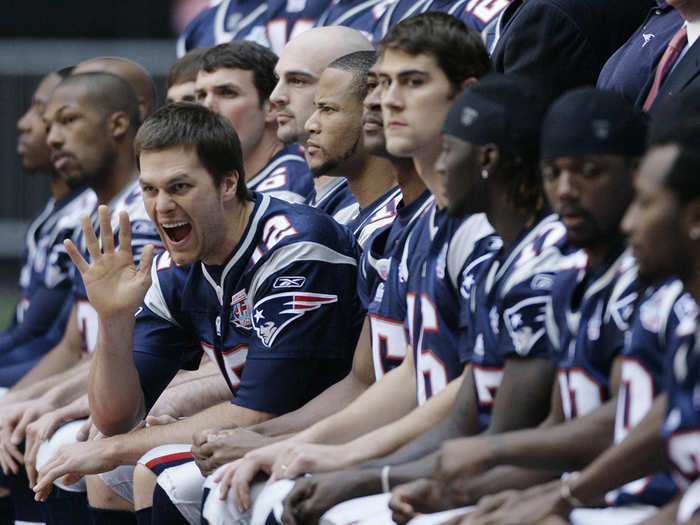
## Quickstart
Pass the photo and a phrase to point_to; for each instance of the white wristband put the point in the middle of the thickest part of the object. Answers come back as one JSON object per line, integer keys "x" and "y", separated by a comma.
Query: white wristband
{"x": 385, "y": 478}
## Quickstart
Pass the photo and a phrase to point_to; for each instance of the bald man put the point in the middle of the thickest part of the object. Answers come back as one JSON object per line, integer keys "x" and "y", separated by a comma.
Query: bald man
{"x": 136, "y": 75}
{"x": 299, "y": 68}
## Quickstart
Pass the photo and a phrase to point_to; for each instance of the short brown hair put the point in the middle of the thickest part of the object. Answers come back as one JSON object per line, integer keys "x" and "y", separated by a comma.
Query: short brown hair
{"x": 248, "y": 56}
{"x": 458, "y": 49}
{"x": 192, "y": 125}
{"x": 185, "y": 68}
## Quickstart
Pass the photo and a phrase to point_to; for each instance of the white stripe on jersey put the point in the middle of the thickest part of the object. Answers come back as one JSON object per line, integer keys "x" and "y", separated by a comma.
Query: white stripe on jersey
{"x": 154, "y": 300}
{"x": 549, "y": 260}
{"x": 348, "y": 14}
{"x": 462, "y": 243}
{"x": 221, "y": 36}
{"x": 617, "y": 299}
{"x": 550, "y": 324}
{"x": 285, "y": 195}
{"x": 242, "y": 248}
{"x": 272, "y": 166}
{"x": 298, "y": 251}
{"x": 670, "y": 293}
{"x": 327, "y": 190}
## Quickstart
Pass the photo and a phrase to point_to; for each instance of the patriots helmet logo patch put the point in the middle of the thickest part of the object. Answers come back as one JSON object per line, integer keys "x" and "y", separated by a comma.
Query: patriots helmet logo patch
{"x": 274, "y": 312}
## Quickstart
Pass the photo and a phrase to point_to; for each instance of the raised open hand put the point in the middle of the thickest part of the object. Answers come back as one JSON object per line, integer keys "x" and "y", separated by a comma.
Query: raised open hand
{"x": 114, "y": 285}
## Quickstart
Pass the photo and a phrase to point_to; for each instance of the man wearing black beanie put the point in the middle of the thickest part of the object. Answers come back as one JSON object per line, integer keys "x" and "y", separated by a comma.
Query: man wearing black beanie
{"x": 591, "y": 141}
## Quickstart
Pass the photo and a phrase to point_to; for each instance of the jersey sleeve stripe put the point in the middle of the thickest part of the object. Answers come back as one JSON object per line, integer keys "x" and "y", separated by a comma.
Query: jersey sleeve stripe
{"x": 154, "y": 300}
{"x": 295, "y": 252}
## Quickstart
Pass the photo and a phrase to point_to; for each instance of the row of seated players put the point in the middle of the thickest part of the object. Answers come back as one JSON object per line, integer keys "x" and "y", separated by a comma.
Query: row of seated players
{"x": 506, "y": 300}
{"x": 570, "y": 43}
{"x": 661, "y": 23}
{"x": 428, "y": 391}
{"x": 285, "y": 174}
{"x": 607, "y": 293}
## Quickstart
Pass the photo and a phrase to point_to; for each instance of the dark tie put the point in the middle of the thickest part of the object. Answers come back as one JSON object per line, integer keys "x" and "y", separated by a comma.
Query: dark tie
{"x": 675, "y": 46}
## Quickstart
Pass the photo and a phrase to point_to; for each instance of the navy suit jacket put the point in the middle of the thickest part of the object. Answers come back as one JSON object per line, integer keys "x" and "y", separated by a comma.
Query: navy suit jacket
{"x": 564, "y": 42}
{"x": 685, "y": 74}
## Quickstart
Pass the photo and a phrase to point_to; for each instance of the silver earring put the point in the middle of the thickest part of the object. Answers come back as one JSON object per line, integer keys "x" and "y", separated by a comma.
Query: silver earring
{"x": 694, "y": 233}
{"x": 484, "y": 174}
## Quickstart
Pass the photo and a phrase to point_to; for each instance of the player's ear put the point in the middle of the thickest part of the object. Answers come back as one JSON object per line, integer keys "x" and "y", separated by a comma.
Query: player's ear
{"x": 489, "y": 157}
{"x": 228, "y": 186}
{"x": 270, "y": 113}
{"x": 118, "y": 124}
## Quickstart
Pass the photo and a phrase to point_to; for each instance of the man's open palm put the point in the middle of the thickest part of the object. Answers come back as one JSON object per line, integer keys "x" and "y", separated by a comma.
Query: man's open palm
{"x": 113, "y": 283}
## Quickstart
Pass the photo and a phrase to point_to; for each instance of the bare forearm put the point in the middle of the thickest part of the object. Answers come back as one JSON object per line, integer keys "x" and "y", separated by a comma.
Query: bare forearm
{"x": 116, "y": 399}
{"x": 206, "y": 368}
{"x": 51, "y": 370}
{"x": 78, "y": 409}
{"x": 637, "y": 456}
{"x": 73, "y": 386}
{"x": 501, "y": 478}
{"x": 126, "y": 449}
{"x": 328, "y": 402}
{"x": 384, "y": 402}
{"x": 568, "y": 446}
{"x": 189, "y": 397}
{"x": 391, "y": 437}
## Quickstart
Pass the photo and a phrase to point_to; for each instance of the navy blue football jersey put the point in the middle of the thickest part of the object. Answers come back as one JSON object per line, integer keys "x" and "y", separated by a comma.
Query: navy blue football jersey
{"x": 227, "y": 21}
{"x": 681, "y": 428}
{"x": 289, "y": 18}
{"x": 286, "y": 176}
{"x": 587, "y": 319}
{"x": 335, "y": 199}
{"x": 46, "y": 273}
{"x": 507, "y": 296}
{"x": 382, "y": 286}
{"x": 629, "y": 70}
{"x": 280, "y": 317}
{"x": 376, "y": 217}
{"x": 363, "y": 15}
{"x": 650, "y": 339}
{"x": 439, "y": 250}
{"x": 143, "y": 232}
{"x": 476, "y": 14}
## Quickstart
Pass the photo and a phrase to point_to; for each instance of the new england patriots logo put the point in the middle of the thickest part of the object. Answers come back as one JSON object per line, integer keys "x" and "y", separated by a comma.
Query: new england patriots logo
{"x": 276, "y": 311}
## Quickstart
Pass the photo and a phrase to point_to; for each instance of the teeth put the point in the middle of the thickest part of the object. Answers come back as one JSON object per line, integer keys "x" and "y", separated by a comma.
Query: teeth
{"x": 174, "y": 225}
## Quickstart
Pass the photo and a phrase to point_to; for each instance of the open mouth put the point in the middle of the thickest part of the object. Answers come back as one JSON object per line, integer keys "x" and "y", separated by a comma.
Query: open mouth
{"x": 177, "y": 231}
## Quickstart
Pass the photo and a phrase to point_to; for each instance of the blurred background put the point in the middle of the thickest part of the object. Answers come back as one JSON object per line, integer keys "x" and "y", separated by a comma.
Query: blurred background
{"x": 39, "y": 36}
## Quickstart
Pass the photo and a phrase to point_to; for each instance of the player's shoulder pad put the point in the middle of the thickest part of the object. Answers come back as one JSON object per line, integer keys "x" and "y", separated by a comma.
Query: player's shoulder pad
{"x": 538, "y": 256}
{"x": 464, "y": 241}
{"x": 293, "y": 233}
{"x": 656, "y": 309}
{"x": 168, "y": 280}
{"x": 196, "y": 32}
{"x": 620, "y": 306}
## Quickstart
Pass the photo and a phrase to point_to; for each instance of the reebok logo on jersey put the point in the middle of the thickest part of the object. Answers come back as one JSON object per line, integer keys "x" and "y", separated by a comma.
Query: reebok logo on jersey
{"x": 275, "y": 312}
{"x": 289, "y": 282}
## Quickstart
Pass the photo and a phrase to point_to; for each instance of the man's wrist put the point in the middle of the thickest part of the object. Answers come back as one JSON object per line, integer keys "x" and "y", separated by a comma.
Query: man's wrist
{"x": 566, "y": 490}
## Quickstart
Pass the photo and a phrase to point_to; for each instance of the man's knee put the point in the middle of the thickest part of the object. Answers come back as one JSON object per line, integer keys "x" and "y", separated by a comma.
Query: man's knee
{"x": 102, "y": 497}
{"x": 144, "y": 483}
